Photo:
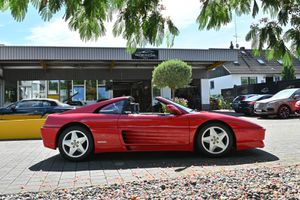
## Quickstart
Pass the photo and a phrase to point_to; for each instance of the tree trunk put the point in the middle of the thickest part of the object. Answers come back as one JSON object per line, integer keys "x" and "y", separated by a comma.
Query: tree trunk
{"x": 173, "y": 94}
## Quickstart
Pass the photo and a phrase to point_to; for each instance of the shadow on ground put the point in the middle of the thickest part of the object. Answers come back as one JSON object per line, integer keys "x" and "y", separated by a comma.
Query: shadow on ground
{"x": 182, "y": 160}
{"x": 232, "y": 113}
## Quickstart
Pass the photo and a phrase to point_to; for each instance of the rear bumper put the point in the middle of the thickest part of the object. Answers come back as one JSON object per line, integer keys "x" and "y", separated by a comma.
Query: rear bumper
{"x": 247, "y": 138}
{"x": 49, "y": 136}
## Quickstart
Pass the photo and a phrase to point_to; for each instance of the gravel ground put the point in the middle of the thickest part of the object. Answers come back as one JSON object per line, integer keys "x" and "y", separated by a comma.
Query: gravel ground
{"x": 259, "y": 183}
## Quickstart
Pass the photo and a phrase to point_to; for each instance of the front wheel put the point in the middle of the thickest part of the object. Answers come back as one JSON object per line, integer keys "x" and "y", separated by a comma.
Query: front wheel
{"x": 283, "y": 112}
{"x": 75, "y": 143}
{"x": 214, "y": 140}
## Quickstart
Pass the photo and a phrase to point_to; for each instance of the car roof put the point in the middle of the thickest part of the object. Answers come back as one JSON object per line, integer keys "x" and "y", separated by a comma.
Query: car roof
{"x": 40, "y": 99}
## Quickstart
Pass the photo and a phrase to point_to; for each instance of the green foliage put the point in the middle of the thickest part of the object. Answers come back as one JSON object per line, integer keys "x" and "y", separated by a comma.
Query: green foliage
{"x": 182, "y": 101}
{"x": 173, "y": 74}
{"x": 218, "y": 102}
{"x": 140, "y": 22}
{"x": 267, "y": 34}
{"x": 288, "y": 73}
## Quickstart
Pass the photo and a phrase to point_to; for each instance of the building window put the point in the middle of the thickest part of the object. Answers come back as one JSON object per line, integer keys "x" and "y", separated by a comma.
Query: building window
{"x": 65, "y": 90}
{"x": 260, "y": 61}
{"x": 248, "y": 80}
{"x": 91, "y": 93}
{"x": 244, "y": 80}
{"x": 32, "y": 89}
{"x": 252, "y": 80}
{"x": 103, "y": 90}
{"x": 276, "y": 78}
{"x": 212, "y": 85}
{"x": 53, "y": 87}
{"x": 78, "y": 90}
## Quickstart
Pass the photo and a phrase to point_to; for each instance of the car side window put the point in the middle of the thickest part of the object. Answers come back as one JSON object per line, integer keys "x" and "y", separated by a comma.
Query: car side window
{"x": 46, "y": 104}
{"x": 25, "y": 104}
{"x": 113, "y": 108}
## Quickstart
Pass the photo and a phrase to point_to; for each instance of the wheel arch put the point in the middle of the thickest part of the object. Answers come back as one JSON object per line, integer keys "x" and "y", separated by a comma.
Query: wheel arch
{"x": 64, "y": 127}
{"x": 284, "y": 104}
{"x": 210, "y": 122}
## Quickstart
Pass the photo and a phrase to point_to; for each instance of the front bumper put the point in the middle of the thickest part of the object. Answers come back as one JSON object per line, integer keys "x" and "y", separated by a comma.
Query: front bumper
{"x": 247, "y": 138}
{"x": 268, "y": 111}
{"x": 49, "y": 136}
{"x": 264, "y": 109}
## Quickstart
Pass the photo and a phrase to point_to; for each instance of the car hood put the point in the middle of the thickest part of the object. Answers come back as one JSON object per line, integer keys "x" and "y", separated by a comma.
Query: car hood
{"x": 234, "y": 122}
{"x": 271, "y": 100}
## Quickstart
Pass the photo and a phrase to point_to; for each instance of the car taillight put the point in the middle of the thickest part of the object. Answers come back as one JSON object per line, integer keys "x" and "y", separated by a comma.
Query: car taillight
{"x": 243, "y": 98}
{"x": 251, "y": 102}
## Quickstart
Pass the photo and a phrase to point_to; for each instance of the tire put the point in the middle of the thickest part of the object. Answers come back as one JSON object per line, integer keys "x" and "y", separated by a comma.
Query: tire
{"x": 208, "y": 142}
{"x": 283, "y": 112}
{"x": 75, "y": 143}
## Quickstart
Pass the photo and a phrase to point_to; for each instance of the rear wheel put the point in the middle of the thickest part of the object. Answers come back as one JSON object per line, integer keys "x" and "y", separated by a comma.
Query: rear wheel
{"x": 284, "y": 112}
{"x": 75, "y": 143}
{"x": 214, "y": 140}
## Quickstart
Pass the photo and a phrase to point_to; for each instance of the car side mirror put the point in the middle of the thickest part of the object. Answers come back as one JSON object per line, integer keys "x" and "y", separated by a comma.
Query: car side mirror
{"x": 173, "y": 109}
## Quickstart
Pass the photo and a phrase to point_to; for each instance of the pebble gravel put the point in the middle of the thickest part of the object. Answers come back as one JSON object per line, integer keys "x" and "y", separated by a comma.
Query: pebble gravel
{"x": 257, "y": 183}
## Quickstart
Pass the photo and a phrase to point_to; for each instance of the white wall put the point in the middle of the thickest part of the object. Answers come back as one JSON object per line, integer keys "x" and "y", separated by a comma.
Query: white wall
{"x": 205, "y": 94}
{"x": 229, "y": 81}
{"x": 223, "y": 82}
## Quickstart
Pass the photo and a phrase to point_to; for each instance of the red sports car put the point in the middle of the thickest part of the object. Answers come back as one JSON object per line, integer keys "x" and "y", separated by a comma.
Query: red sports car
{"x": 116, "y": 125}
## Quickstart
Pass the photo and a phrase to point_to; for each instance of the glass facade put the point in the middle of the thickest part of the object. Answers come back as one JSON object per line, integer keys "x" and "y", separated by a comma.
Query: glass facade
{"x": 88, "y": 91}
{"x": 62, "y": 90}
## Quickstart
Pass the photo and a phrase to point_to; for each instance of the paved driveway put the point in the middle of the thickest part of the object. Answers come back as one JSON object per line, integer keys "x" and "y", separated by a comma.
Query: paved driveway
{"x": 28, "y": 166}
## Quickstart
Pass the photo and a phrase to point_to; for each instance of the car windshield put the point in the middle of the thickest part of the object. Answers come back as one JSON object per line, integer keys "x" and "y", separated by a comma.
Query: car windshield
{"x": 254, "y": 98}
{"x": 284, "y": 94}
{"x": 180, "y": 106}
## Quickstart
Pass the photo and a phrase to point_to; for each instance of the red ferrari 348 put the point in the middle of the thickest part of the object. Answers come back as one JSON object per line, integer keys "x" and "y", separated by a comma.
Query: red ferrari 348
{"x": 116, "y": 125}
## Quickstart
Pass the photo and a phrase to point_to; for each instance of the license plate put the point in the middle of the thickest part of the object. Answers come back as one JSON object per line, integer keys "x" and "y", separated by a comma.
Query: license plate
{"x": 257, "y": 110}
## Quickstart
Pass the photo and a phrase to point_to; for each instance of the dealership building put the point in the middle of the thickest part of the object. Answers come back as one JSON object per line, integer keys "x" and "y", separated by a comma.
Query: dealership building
{"x": 101, "y": 73}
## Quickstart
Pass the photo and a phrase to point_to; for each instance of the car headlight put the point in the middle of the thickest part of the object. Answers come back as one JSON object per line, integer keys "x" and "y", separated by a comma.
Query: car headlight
{"x": 256, "y": 105}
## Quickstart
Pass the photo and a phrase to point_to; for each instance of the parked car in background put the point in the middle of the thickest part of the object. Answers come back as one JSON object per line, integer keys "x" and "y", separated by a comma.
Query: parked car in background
{"x": 237, "y": 100}
{"x": 247, "y": 106}
{"x": 282, "y": 104}
{"x": 36, "y": 106}
{"x": 298, "y": 107}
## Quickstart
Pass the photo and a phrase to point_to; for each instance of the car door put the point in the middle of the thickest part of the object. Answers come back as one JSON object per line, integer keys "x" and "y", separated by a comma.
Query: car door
{"x": 146, "y": 131}
{"x": 24, "y": 107}
{"x": 104, "y": 126}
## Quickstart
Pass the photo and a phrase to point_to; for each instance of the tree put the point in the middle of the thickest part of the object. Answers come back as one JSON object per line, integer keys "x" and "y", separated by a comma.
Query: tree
{"x": 288, "y": 73}
{"x": 173, "y": 74}
{"x": 140, "y": 22}
{"x": 267, "y": 33}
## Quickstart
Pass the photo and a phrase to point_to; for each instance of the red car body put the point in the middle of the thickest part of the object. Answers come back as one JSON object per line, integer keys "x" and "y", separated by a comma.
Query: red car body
{"x": 297, "y": 107}
{"x": 147, "y": 131}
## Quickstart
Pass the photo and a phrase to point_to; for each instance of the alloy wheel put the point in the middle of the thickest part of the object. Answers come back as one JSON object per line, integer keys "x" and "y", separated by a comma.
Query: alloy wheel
{"x": 284, "y": 112}
{"x": 215, "y": 140}
{"x": 75, "y": 144}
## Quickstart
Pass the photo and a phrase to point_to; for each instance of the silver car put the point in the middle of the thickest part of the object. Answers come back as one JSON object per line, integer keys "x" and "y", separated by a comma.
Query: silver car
{"x": 281, "y": 104}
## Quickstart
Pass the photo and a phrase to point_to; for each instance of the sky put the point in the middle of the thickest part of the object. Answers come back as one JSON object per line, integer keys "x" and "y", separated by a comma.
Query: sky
{"x": 33, "y": 31}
